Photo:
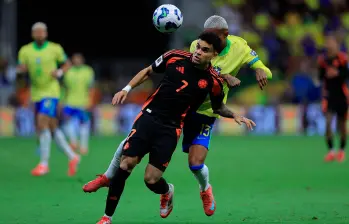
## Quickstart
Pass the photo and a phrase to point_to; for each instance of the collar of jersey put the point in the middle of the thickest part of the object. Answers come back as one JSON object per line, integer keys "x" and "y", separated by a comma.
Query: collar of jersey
{"x": 37, "y": 47}
{"x": 226, "y": 49}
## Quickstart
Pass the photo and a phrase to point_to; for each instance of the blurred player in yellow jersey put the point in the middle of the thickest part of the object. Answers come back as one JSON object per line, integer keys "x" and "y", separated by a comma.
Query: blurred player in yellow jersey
{"x": 78, "y": 81}
{"x": 40, "y": 60}
{"x": 198, "y": 124}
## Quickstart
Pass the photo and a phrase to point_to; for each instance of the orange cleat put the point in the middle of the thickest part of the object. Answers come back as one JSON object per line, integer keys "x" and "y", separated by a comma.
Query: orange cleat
{"x": 104, "y": 220}
{"x": 208, "y": 201}
{"x": 40, "y": 170}
{"x": 330, "y": 156}
{"x": 341, "y": 156}
{"x": 166, "y": 202}
{"x": 73, "y": 166}
{"x": 94, "y": 185}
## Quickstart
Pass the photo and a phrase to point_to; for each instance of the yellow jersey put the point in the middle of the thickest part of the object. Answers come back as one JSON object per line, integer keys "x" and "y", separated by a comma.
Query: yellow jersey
{"x": 41, "y": 61}
{"x": 235, "y": 55}
{"x": 78, "y": 80}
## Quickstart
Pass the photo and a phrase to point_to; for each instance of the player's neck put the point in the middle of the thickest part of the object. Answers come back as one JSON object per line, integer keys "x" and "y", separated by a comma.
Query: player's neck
{"x": 40, "y": 43}
{"x": 203, "y": 67}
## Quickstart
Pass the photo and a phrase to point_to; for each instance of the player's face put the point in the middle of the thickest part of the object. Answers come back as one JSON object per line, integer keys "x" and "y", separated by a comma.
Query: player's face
{"x": 39, "y": 34}
{"x": 331, "y": 44}
{"x": 203, "y": 53}
{"x": 77, "y": 59}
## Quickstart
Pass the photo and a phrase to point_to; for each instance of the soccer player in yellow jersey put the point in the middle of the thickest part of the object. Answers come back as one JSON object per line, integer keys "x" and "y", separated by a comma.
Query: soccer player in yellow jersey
{"x": 198, "y": 125}
{"x": 78, "y": 81}
{"x": 39, "y": 59}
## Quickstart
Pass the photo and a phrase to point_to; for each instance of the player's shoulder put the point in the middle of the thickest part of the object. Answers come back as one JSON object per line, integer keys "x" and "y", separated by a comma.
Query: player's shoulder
{"x": 27, "y": 47}
{"x": 194, "y": 42}
{"x": 177, "y": 53}
{"x": 237, "y": 39}
{"x": 54, "y": 45}
{"x": 215, "y": 76}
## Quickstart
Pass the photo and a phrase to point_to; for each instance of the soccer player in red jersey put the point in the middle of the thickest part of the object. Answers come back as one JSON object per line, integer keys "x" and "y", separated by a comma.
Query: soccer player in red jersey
{"x": 188, "y": 79}
{"x": 333, "y": 72}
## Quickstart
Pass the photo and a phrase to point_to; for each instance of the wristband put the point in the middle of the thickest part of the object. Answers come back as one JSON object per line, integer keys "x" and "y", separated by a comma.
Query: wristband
{"x": 59, "y": 73}
{"x": 127, "y": 88}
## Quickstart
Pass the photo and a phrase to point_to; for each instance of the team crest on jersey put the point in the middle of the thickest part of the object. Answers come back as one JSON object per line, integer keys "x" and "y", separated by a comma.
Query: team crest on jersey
{"x": 217, "y": 69}
{"x": 202, "y": 83}
{"x": 38, "y": 60}
{"x": 253, "y": 53}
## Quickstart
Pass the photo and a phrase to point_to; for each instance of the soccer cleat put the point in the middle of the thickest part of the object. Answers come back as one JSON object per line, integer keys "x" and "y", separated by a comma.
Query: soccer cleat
{"x": 104, "y": 220}
{"x": 341, "y": 156}
{"x": 166, "y": 202}
{"x": 40, "y": 170}
{"x": 94, "y": 185}
{"x": 73, "y": 166}
{"x": 208, "y": 201}
{"x": 330, "y": 156}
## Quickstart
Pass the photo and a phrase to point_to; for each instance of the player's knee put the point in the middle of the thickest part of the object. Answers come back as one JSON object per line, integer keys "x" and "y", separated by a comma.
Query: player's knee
{"x": 151, "y": 178}
{"x": 128, "y": 163}
{"x": 197, "y": 155}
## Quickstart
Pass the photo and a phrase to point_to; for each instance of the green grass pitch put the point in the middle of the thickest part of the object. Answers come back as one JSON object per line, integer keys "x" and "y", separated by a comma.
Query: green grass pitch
{"x": 255, "y": 180}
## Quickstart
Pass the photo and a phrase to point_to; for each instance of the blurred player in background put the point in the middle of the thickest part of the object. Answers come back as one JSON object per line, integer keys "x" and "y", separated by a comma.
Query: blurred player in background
{"x": 40, "y": 58}
{"x": 77, "y": 82}
{"x": 333, "y": 71}
{"x": 198, "y": 125}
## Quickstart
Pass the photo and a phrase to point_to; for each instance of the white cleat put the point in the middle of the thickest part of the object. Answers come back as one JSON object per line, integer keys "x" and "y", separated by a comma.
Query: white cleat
{"x": 166, "y": 202}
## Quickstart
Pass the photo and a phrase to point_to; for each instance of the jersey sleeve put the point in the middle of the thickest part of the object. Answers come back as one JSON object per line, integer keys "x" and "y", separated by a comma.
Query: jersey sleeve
{"x": 61, "y": 56}
{"x": 159, "y": 65}
{"x": 21, "y": 56}
{"x": 216, "y": 93}
{"x": 249, "y": 56}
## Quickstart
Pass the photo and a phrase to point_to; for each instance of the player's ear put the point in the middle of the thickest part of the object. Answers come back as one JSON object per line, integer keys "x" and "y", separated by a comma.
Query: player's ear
{"x": 225, "y": 33}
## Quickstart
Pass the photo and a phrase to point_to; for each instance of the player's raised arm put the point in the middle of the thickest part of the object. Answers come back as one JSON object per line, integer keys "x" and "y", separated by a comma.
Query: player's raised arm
{"x": 218, "y": 107}
{"x": 263, "y": 73}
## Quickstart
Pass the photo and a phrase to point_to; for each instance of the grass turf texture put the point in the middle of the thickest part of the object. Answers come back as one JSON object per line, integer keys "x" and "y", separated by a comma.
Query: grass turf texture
{"x": 255, "y": 180}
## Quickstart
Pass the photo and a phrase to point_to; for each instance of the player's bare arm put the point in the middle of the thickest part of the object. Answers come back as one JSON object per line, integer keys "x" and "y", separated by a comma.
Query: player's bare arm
{"x": 224, "y": 111}
{"x": 141, "y": 77}
{"x": 232, "y": 81}
{"x": 261, "y": 77}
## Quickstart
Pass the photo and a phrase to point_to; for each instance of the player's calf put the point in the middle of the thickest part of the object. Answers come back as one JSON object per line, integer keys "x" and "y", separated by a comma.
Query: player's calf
{"x": 156, "y": 183}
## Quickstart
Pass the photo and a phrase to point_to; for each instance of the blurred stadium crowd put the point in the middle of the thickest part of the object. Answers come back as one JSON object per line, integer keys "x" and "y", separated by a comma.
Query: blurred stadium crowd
{"x": 288, "y": 35}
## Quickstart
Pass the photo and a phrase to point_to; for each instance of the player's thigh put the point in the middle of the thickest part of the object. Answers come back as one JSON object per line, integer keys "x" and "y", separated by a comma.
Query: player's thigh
{"x": 198, "y": 132}
{"x": 68, "y": 112}
{"x": 163, "y": 146}
{"x": 46, "y": 109}
{"x": 137, "y": 141}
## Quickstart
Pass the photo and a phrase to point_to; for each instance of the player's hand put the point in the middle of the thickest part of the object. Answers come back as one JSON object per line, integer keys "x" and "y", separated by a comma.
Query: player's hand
{"x": 21, "y": 69}
{"x": 248, "y": 122}
{"x": 57, "y": 73}
{"x": 119, "y": 97}
{"x": 232, "y": 81}
{"x": 261, "y": 77}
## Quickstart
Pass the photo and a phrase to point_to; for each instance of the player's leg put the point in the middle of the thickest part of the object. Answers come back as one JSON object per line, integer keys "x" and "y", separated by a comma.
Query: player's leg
{"x": 342, "y": 121}
{"x": 68, "y": 114}
{"x": 84, "y": 130}
{"x": 42, "y": 127}
{"x": 134, "y": 149}
{"x": 160, "y": 156}
{"x": 61, "y": 141}
{"x": 104, "y": 180}
{"x": 330, "y": 156}
{"x": 197, "y": 136}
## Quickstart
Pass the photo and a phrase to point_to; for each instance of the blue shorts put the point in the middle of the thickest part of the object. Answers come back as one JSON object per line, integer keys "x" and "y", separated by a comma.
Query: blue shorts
{"x": 197, "y": 130}
{"x": 78, "y": 113}
{"x": 47, "y": 106}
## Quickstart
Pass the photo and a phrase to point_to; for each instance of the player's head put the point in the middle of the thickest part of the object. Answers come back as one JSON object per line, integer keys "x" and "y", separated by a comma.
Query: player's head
{"x": 218, "y": 25}
{"x": 39, "y": 31}
{"x": 331, "y": 43}
{"x": 78, "y": 59}
{"x": 209, "y": 45}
